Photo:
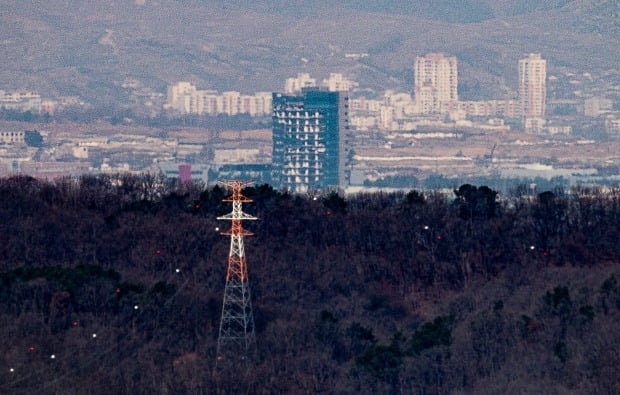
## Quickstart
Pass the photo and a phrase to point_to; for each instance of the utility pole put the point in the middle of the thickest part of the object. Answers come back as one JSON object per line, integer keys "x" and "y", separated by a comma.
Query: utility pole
{"x": 236, "y": 336}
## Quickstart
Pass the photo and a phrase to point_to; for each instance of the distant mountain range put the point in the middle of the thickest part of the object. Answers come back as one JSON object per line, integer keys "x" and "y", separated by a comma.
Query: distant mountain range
{"x": 463, "y": 11}
{"x": 86, "y": 48}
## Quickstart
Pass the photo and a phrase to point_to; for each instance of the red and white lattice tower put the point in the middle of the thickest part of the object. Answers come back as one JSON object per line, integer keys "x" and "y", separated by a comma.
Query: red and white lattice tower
{"x": 236, "y": 335}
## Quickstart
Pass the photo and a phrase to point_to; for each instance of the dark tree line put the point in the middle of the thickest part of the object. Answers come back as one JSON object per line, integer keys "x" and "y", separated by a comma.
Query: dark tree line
{"x": 121, "y": 279}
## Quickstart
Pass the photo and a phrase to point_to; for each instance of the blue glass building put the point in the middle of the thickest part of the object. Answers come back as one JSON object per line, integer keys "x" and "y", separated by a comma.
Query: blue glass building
{"x": 309, "y": 140}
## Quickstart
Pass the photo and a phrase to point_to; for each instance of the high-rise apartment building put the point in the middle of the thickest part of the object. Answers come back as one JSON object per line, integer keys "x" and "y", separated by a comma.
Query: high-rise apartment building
{"x": 532, "y": 86}
{"x": 436, "y": 81}
{"x": 309, "y": 133}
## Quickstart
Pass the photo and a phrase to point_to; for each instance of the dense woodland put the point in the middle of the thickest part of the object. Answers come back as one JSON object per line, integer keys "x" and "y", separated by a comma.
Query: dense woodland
{"x": 121, "y": 279}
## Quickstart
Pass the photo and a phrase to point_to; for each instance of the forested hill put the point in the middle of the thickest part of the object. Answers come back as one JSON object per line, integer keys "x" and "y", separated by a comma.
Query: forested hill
{"x": 121, "y": 280}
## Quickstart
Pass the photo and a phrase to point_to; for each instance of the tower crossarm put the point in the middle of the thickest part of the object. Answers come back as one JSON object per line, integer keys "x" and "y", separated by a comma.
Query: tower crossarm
{"x": 237, "y": 216}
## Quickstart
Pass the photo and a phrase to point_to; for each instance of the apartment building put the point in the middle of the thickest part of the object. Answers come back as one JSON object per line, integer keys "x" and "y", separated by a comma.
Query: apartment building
{"x": 435, "y": 81}
{"x": 532, "y": 86}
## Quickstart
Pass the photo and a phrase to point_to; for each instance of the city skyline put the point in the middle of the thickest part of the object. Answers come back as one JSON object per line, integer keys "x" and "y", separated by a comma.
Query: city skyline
{"x": 410, "y": 81}
{"x": 430, "y": 95}
{"x": 210, "y": 46}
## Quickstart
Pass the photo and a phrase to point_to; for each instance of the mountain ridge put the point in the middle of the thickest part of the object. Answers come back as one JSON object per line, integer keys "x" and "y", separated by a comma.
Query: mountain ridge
{"x": 88, "y": 49}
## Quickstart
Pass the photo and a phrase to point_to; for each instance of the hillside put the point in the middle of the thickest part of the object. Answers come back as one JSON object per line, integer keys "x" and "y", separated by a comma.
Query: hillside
{"x": 85, "y": 48}
{"x": 121, "y": 280}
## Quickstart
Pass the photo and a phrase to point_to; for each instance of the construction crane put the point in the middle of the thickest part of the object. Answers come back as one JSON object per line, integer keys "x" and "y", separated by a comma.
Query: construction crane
{"x": 487, "y": 159}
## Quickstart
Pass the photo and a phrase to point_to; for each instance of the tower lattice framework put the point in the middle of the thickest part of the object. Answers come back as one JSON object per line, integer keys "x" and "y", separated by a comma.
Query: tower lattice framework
{"x": 236, "y": 336}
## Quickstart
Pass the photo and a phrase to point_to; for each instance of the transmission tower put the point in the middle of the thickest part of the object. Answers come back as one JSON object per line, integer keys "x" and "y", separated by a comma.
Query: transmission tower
{"x": 236, "y": 335}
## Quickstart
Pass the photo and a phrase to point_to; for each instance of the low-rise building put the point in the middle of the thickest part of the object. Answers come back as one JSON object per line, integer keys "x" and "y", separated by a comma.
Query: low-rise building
{"x": 12, "y": 137}
{"x": 534, "y": 124}
{"x": 339, "y": 83}
{"x": 185, "y": 172}
{"x": 21, "y": 100}
{"x": 595, "y": 106}
{"x": 184, "y": 98}
{"x": 296, "y": 84}
{"x": 612, "y": 126}
{"x": 485, "y": 108}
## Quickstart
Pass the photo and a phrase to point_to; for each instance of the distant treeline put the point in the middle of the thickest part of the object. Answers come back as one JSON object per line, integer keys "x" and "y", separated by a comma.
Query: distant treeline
{"x": 511, "y": 186}
{"x": 121, "y": 278}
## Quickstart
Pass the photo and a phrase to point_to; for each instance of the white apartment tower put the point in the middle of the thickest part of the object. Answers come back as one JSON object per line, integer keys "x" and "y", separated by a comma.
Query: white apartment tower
{"x": 436, "y": 81}
{"x": 532, "y": 86}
